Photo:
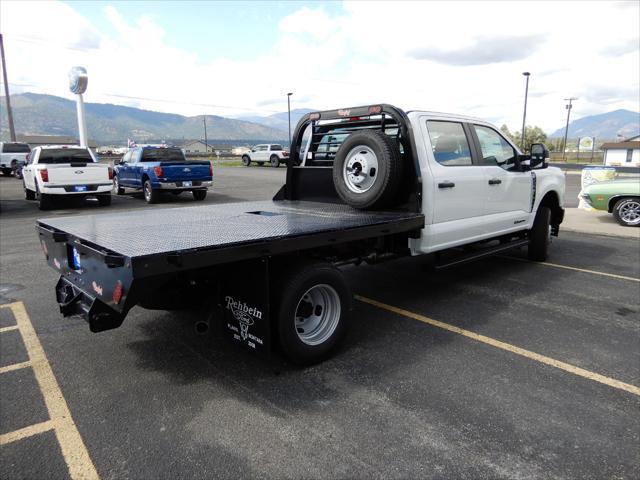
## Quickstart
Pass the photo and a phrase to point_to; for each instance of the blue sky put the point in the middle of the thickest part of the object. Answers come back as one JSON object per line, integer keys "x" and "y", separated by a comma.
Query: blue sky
{"x": 239, "y": 58}
{"x": 240, "y": 30}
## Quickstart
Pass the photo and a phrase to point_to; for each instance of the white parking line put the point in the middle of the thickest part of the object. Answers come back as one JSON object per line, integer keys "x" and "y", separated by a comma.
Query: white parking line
{"x": 575, "y": 269}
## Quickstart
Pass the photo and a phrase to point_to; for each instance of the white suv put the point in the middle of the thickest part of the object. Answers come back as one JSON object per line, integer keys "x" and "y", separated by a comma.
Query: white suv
{"x": 269, "y": 152}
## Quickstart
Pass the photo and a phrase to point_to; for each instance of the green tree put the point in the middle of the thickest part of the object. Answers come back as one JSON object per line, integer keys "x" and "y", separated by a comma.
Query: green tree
{"x": 531, "y": 135}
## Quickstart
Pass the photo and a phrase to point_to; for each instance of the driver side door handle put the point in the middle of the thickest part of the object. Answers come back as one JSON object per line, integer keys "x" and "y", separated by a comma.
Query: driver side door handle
{"x": 446, "y": 185}
{"x": 495, "y": 181}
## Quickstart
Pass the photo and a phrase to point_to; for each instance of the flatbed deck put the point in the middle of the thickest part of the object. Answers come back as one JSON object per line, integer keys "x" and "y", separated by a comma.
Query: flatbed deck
{"x": 226, "y": 232}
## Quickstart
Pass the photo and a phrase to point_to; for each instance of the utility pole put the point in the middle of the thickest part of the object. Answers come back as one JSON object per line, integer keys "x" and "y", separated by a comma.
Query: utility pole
{"x": 206, "y": 145}
{"x": 566, "y": 129}
{"x": 289, "y": 115}
{"x": 12, "y": 130}
{"x": 524, "y": 114}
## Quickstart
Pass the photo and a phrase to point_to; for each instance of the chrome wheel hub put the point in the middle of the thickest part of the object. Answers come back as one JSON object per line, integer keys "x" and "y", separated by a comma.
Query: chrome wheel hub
{"x": 317, "y": 314}
{"x": 630, "y": 212}
{"x": 360, "y": 169}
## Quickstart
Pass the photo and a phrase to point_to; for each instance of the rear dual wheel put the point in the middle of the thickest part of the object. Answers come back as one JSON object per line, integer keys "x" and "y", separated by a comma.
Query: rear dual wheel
{"x": 312, "y": 312}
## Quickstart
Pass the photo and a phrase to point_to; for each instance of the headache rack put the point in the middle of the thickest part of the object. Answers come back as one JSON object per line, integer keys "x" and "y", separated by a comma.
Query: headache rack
{"x": 318, "y": 137}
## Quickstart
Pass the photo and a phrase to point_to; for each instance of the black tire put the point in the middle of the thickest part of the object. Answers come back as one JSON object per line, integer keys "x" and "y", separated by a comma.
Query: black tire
{"x": 150, "y": 195}
{"x": 540, "y": 235}
{"x": 382, "y": 190}
{"x": 275, "y": 161}
{"x": 626, "y": 211}
{"x": 117, "y": 189}
{"x": 6, "y": 172}
{"x": 45, "y": 202}
{"x": 104, "y": 200}
{"x": 199, "y": 194}
{"x": 18, "y": 173}
{"x": 295, "y": 284}
{"x": 28, "y": 194}
{"x": 260, "y": 164}
{"x": 246, "y": 161}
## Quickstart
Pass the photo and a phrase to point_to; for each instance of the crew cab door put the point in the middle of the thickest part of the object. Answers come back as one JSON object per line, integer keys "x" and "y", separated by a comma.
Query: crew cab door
{"x": 458, "y": 186}
{"x": 509, "y": 190}
{"x": 124, "y": 176}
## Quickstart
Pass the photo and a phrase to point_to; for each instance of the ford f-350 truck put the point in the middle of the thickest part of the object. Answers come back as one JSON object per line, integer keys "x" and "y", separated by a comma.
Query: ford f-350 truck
{"x": 364, "y": 184}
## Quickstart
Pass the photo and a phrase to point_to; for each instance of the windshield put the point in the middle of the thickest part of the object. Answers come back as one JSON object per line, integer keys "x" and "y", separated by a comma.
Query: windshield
{"x": 65, "y": 155}
{"x": 15, "y": 148}
{"x": 162, "y": 155}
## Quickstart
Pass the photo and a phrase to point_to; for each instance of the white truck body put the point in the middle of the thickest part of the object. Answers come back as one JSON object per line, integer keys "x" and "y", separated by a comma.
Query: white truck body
{"x": 79, "y": 173}
{"x": 12, "y": 155}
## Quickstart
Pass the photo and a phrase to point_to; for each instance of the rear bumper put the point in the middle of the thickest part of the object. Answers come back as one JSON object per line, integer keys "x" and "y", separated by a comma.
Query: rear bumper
{"x": 75, "y": 301}
{"x": 197, "y": 184}
{"x": 92, "y": 189}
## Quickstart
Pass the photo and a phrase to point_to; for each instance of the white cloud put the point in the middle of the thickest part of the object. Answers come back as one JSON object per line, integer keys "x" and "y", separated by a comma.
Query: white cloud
{"x": 465, "y": 57}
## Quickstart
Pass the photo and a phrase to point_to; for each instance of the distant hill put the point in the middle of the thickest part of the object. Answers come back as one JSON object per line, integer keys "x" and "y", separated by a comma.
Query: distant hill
{"x": 279, "y": 121}
{"x": 36, "y": 114}
{"x": 604, "y": 126}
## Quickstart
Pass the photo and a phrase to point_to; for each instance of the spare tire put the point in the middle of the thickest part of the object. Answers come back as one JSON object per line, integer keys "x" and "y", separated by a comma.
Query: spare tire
{"x": 367, "y": 170}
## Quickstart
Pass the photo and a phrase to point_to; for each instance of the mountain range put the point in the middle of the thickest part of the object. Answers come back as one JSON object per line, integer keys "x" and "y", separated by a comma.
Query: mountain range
{"x": 36, "y": 114}
{"x": 279, "y": 121}
{"x": 610, "y": 125}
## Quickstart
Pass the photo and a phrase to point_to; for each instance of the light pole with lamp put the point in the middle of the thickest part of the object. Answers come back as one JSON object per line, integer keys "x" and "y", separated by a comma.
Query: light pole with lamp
{"x": 78, "y": 81}
{"x": 524, "y": 114}
{"x": 289, "y": 116}
{"x": 566, "y": 129}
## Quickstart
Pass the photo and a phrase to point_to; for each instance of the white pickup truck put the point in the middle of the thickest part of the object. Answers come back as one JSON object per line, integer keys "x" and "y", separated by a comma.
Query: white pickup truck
{"x": 54, "y": 171}
{"x": 270, "y": 152}
{"x": 13, "y": 156}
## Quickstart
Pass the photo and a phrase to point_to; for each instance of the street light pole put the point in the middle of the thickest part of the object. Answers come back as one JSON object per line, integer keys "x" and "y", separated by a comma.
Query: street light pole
{"x": 566, "y": 129}
{"x": 206, "y": 145}
{"x": 524, "y": 114}
{"x": 289, "y": 115}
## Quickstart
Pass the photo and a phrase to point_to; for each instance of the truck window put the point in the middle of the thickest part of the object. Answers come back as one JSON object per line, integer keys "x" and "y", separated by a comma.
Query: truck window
{"x": 276, "y": 148}
{"x": 64, "y": 155}
{"x": 449, "y": 143}
{"x": 162, "y": 155}
{"x": 15, "y": 148}
{"x": 495, "y": 149}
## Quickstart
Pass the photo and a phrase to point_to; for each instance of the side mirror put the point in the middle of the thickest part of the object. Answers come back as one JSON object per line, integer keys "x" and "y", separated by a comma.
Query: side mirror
{"x": 539, "y": 153}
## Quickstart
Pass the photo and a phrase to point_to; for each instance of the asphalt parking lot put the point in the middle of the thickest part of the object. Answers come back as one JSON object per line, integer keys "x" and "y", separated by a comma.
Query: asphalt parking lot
{"x": 497, "y": 369}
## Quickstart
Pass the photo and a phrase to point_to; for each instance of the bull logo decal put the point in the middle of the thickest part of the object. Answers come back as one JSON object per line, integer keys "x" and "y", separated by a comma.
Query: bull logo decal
{"x": 243, "y": 313}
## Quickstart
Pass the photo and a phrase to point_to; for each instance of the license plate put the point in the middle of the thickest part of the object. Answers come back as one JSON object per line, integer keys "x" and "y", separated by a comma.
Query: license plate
{"x": 186, "y": 184}
{"x": 80, "y": 188}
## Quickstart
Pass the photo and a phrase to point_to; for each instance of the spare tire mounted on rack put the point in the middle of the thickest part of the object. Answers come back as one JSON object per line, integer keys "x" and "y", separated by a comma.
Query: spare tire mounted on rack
{"x": 367, "y": 170}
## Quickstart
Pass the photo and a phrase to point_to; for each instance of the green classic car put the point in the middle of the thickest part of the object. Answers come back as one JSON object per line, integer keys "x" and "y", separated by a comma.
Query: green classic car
{"x": 620, "y": 197}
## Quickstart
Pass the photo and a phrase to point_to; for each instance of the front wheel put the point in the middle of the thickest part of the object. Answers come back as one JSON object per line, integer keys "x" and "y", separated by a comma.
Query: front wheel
{"x": 540, "y": 235}
{"x": 150, "y": 195}
{"x": 246, "y": 161}
{"x": 199, "y": 194}
{"x": 312, "y": 312}
{"x": 275, "y": 161}
{"x": 627, "y": 212}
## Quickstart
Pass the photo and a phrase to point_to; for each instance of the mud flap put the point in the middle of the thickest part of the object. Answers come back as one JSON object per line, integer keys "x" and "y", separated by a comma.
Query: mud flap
{"x": 244, "y": 301}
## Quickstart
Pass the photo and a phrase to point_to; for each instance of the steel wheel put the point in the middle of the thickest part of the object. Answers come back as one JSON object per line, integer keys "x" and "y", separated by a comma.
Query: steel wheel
{"x": 629, "y": 212}
{"x": 360, "y": 169}
{"x": 317, "y": 314}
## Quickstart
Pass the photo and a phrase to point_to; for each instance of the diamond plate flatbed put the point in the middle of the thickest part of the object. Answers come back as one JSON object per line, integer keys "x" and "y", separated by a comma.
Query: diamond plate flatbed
{"x": 199, "y": 236}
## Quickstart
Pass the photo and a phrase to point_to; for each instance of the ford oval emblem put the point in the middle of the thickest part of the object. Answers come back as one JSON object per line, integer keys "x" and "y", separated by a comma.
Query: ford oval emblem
{"x": 186, "y": 169}
{"x": 79, "y": 172}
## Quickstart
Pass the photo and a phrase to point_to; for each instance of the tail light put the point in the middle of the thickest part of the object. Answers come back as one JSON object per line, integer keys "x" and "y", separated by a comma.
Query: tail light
{"x": 158, "y": 171}
{"x": 210, "y": 170}
{"x": 110, "y": 173}
{"x": 117, "y": 292}
{"x": 44, "y": 175}
{"x": 285, "y": 154}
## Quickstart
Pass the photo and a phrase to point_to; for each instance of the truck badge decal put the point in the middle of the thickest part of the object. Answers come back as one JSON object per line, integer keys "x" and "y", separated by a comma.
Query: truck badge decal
{"x": 344, "y": 112}
{"x": 186, "y": 169}
{"x": 79, "y": 172}
{"x": 244, "y": 314}
{"x": 96, "y": 288}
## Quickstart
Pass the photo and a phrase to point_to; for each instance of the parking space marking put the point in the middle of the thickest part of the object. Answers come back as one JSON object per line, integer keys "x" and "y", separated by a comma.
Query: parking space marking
{"x": 26, "y": 432}
{"x": 73, "y": 449}
{"x": 8, "y": 329}
{"x": 581, "y": 372}
{"x": 575, "y": 269}
{"x": 15, "y": 366}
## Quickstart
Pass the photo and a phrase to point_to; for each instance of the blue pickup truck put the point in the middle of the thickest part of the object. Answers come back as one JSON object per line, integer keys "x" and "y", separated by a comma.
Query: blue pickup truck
{"x": 154, "y": 170}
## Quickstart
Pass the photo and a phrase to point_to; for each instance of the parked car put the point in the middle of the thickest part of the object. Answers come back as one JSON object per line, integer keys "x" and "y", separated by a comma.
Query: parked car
{"x": 13, "y": 156}
{"x": 620, "y": 197}
{"x": 53, "y": 171}
{"x": 162, "y": 169}
{"x": 272, "y": 153}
